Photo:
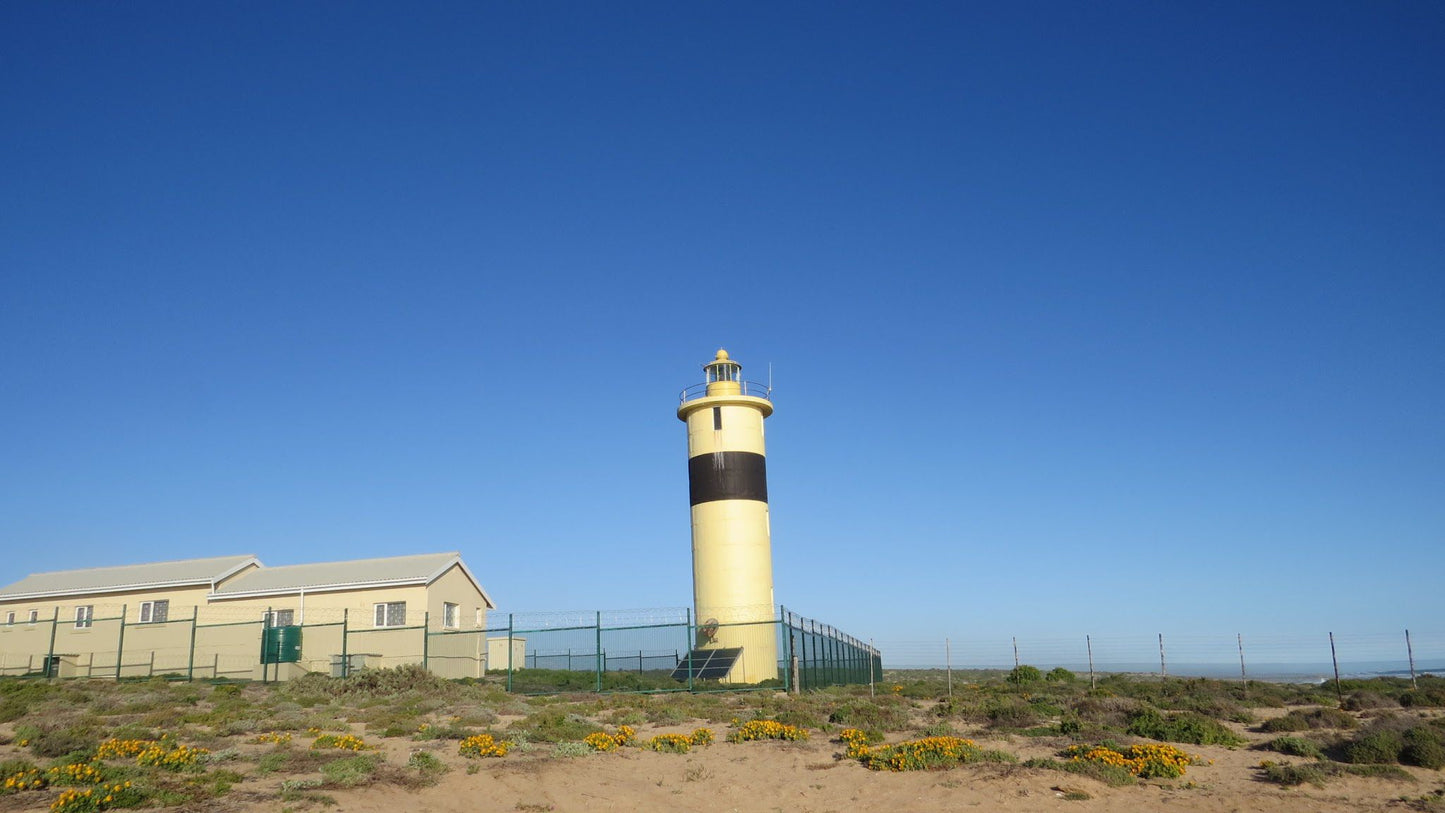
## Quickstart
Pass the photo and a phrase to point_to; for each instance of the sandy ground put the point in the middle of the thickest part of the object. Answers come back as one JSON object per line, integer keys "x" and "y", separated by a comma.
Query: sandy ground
{"x": 812, "y": 776}
{"x": 807, "y": 776}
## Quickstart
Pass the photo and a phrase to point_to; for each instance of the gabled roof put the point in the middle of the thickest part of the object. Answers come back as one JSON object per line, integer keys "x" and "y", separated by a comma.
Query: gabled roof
{"x": 327, "y": 577}
{"x": 153, "y": 576}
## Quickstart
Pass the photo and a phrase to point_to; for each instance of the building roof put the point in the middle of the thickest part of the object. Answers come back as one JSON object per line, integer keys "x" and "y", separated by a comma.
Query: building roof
{"x": 325, "y": 577}
{"x": 156, "y": 575}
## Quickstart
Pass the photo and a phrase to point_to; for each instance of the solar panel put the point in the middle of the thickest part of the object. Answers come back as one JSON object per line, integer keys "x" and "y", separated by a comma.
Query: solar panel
{"x": 707, "y": 664}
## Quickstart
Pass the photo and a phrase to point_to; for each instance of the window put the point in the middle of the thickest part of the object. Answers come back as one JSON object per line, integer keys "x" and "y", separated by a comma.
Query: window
{"x": 451, "y": 615}
{"x": 481, "y": 617}
{"x": 282, "y": 618}
{"x": 392, "y": 614}
{"x": 10, "y": 620}
{"x": 34, "y": 616}
{"x": 716, "y": 418}
{"x": 83, "y": 616}
{"x": 154, "y": 612}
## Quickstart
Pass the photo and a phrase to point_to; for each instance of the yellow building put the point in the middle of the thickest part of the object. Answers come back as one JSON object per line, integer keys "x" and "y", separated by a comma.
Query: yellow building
{"x": 210, "y": 618}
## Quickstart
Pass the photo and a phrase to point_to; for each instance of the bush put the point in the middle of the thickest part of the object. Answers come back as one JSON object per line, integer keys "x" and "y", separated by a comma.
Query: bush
{"x": 1147, "y": 761}
{"x": 426, "y": 763}
{"x": 1394, "y": 772}
{"x": 1382, "y": 745}
{"x": 1365, "y": 701}
{"x": 554, "y": 725}
{"x": 1423, "y": 698}
{"x": 350, "y": 771}
{"x": 1289, "y": 775}
{"x": 1010, "y": 712}
{"x": 1060, "y": 675}
{"x": 1024, "y": 674}
{"x": 1296, "y": 747}
{"x": 1186, "y": 727}
{"x": 884, "y": 714}
{"x": 571, "y": 749}
{"x": 919, "y": 755}
{"x": 1110, "y": 712}
{"x": 1309, "y": 720}
{"x": 1423, "y": 747}
{"x": 1112, "y": 775}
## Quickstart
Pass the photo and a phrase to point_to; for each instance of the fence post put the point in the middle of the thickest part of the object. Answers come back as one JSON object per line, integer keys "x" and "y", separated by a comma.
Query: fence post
{"x": 833, "y": 642}
{"x": 52, "y": 671}
{"x": 947, "y": 663}
{"x": 1339, "y": 692}
{"x": 795, "y": 671}
{"x": 790, "y": 679}
{"x": 1016, "y": 651}
{"x": 691, "y": 641}
{"x": 1089, "y": 644}
{"x": 1409, "y": 650}
{"x": 426, "y": 640}
{"x": 120, "y": 644}
{"x": 601, "y": 664}
{"x": 191, "y": 656}
{"x": 509, "y": 652}
{"x": 345, "y": 630}
{"x": 265, "y": 626}
{"x": 1243, "y": 676}
{"x": 1163, "y": 669}
{"x": 872, "y": 688}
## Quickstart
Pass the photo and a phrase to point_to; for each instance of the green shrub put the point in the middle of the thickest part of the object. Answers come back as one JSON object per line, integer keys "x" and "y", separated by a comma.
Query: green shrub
{"x": 882, "y": 714}
{"x": 1186, "y": 727}
{"x": 53, "y": 741}
{"x": 1060, "y": 675}
{"x": 1296, "y": 747}
{"x": 1024, "y": 674}
{"x": 1394, "y": 772}
{"x": 1112, "y": 775}
{"x": 1423, "y": 698}
{"x": 1365, "y": 701}
{"x": 426, "y": 764}
{"x": 1109, "y": 712}
{"x": 1289, "y": 775}
{"x": 1309, "y": 720}
{"x": 1010, "y": 712}
{"x": 1381, "y": 745}
{"x": 554, "y": 724}
{"x": 571, "y": 749}
{"x": 938, "y": 729}
{"x": 1423, "y": 747}
{"x": 351, "y": 771}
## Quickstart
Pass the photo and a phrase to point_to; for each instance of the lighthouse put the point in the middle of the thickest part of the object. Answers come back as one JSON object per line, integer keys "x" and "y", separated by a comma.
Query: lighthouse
{"x": 732, "y": 557}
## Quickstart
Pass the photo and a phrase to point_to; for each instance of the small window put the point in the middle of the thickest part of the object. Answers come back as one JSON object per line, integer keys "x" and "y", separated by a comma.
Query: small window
{"x": 10, "y": 620}
{"x": 392, "y": 614}
{"x": 282, "y": 618}
{"x": 717, "y": 418}
{"x": 154, "y": 612}
{"x": 34, "y": 616}
{"x": 83, "y": 616}
{"x": 451, "y": 615}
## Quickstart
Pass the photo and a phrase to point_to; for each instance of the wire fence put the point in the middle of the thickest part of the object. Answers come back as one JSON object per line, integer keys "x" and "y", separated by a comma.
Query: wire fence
{"x": 649, "y": 650}
{"x": 1283, "y": 658}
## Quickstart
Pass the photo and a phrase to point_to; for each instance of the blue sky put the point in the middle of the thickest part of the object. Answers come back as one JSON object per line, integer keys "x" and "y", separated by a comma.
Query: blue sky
{"x": 1083, "y": 318}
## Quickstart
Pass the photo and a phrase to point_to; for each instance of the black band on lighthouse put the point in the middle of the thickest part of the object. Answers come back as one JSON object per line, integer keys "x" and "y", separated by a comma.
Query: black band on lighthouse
{"x": 727, "y": 476}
